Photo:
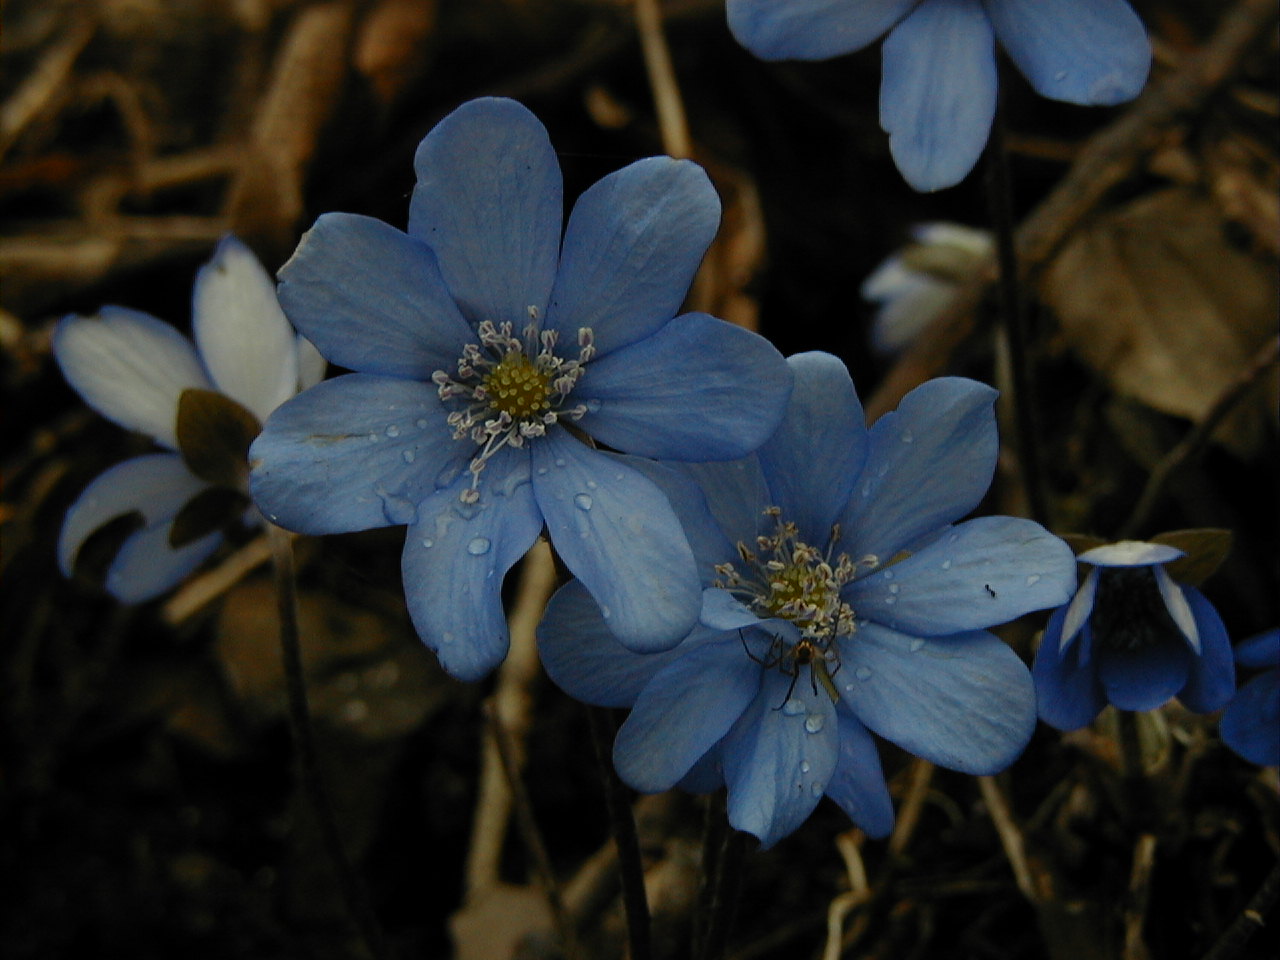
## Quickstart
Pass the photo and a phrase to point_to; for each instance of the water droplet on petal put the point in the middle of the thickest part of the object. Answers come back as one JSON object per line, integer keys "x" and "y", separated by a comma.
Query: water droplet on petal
{"x": 917, "y": 645}
{"x": 816, "y": 789}
{"x": 792, "y": 707}
{"x": 374, "y": 437}
{"x": 866, "y": 488}
{"x": 393, "y": 431}
{"x": 1060, "y": 76}
{"x": 591, "y": 484}
{"x": 862, "y": 673}
{"x": 447, "y": 637}
{"x": 605, "y": 612}
{"x": 888, "y": 574}
{"x": 894, "y": 588}
{"x": 890, "y": 600}
{"x": 908, "y": 436}
{"x": 398, "y": 510}
{"x": 946, "y": 564}
{"x": 428, "y": 543}
{"x": 1033, "y": 580}
{"x": 593, "y": 406}
{"x": 582, "y": 501}
{"x": 421, "y": 423}
{"x": 542, "y": 471}
{"x": 447, "y": 475}
{"x": 479, "y": 546}
{"x": 408, "y": 456}
{"x": 813, "y": 722}
{"x": 848, "y": 688}
{"x": 559, "y": 461}
{"x": 804, "y": 766}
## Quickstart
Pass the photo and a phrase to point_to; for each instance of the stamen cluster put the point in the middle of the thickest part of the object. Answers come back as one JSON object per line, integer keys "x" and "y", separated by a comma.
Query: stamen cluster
{"x": 513, "y": 388}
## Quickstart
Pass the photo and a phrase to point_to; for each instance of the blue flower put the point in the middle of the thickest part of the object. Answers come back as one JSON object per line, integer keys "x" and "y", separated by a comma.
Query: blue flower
{"x": 839, "y": 599}
{"x": 938, "y": 94}
{"x": 1133, "y": 638}
{"x": 1251, "y": 723}
{"x": 485, "y": 351}
{"x": 133, "y": 368}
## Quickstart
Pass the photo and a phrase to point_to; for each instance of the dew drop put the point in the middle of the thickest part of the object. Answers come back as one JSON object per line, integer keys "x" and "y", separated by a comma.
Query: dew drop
{"x": 559, "y": 461}
{"x": 804, "y": 766}
{"x": 591, "y": 484}
{"x": 605, "y": 612}
{"x": 593, "y": 406}
{"x": 1060, "y": 76}
{"x": 393, "y": 431}
{"x": 908, "y": 436}
{"x": 421, "y": 423}
{"x": 953, "y": 538}
{"x": 408, "y": 456}
{"x": 863, "y": 673}
{"x": 582, "y": 501}
{"x": 893, "y": 588}
{"x": 478, "y": 546}
{"x": 888, "y": 574}
{"x": 374, "y": 437}
{"x": 890, "y": 600}
{"x": 428, "y": 543}
{"x": 848, "y": 688}
{"x": 792, "y": 707}
{"x": 946, "y": 564}
{"x": 447, "y": 475}
{"x": 816, "y": 788}
{"x": 447, "y": 637}
{"x": 398, "y": 510}
{"x": 917, "y": 645}
{"x": 542, "y": 471}
{"x": 813, "y": 722}
{"x": 866, "y": 488}
{"x": 1033, "y": 580}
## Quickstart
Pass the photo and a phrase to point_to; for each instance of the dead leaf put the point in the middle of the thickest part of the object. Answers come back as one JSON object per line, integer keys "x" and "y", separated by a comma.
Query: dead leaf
{"x": 390, "y": 48}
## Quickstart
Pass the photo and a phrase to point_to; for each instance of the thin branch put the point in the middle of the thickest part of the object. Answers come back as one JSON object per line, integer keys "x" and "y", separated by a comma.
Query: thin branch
{"x": 1011, "y": 839}
{"x": 1135, "y": 914}
{"x": 1250, "y": 921}
{"x": 662, "y": 80}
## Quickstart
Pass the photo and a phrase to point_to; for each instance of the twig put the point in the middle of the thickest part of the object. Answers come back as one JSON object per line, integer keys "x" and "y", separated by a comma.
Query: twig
{"x": 1235, "y": 937}
{"x": 208, "y": 586}
{"x": 43, "y": 84}
{"x": 1135, "y": 914}
{"x": 1011, "y": 839}
{"x": 1106, "y": 160}
{"x": 662, "y": 80}
{"x": 909, "y": 811}
{"x": 1198, "y": 436}
{"x": 850, "y": 846}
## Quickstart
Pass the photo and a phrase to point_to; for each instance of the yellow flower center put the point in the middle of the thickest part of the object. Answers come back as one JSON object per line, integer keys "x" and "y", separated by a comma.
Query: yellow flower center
{"x": 796, "y": 588}
{"x": 516, "y": 386}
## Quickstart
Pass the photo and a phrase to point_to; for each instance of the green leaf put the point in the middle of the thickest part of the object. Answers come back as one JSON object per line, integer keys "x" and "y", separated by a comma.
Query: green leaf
{"x": 1205, "y": 550}
{"x": 207, "y": 511}
{"x": 214, "y": 433}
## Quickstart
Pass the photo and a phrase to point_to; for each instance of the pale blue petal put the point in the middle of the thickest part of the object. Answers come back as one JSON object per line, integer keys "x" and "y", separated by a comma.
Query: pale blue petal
{"x": 984, "y": 572}
{"x": 736, "y": 495}
{"x": 1143, "y": 678}
{"x": 372, "y": 299}
{"x": 147, "y": 566}
{"x": 1251, "y": 723}
{"x": 455, "y": 556}
{"x": 352, "y": 453}
{"x": 811, "y": 29}
{"x": 929, "y": 463}
{"x": 964, "y": 702}
{"x": 698, "y": 389}
{"x": 632, "y": 246}
{"x": 858, "y": 783}
{"x": 706, "y": 539}
{"x": 683, "y": 712}
{"x": 1068, "y": 692}
{"x": 1176, "y": 603}
{"x": 1260, "y": 652}
{"x": 1076, "y": 613}
{"x": 1213, "y": 676}
{"x": 156, "y": 486}
{"x": 130, "y": 367}
{"x": 813, "y": 458}
{"x": 721, "y": 610}
{"x": 489, "y": 204}
{"x": 243, "y": 337}
{"x": 617, "y": 533}
{"x": 938, "y": 91}
{"x": 779, "y": 757}
{"x": 1130, "y": 553}
{"x": 1092, "y": 52}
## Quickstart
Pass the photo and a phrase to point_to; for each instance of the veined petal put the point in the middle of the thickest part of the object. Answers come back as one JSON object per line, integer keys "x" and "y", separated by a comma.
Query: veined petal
{"x": 372, "y": 299}
{"x": 811, "y": 29}
{"x": 938, "y": 91}
{"x": 1251, "y": 723}
{"x": 455, "y": 556}
{"x": 684, "y": 710}
{"x": 618, "y": 534}
{"x": 1082, "y": 51}
{"x": 964, "y": 702}
{"x": 246, "y": 343}
{"x": 1076, "y": 613}
{"x": 1068, "y": 692}
{"x": 1212, "y": 678}
{"x": 779, "y": 757}
{"x": 352, "y": 453}
{"x": 984, "y": 572}
{"x": 736, "y": 495}
{"x": 929, "y": 463}
{"x": 706, "y": 539}
{"x": 632, "y": 246}
{"x": 1145, "y": 678}
{"x": 858, "y": 783}
{"x": 1260, "y": 652}
{"x": 812, "y": 460}
{"x": 489, "y": 204}
{"x": 147, "y": 566}
{"x": 130, "y": 367}
{"x": 156, "y": 486}
{"x": 697, "y": 389}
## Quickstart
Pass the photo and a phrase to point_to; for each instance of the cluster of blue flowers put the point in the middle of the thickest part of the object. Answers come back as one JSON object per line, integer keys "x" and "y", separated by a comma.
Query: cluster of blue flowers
{"x": 764, "y": 580}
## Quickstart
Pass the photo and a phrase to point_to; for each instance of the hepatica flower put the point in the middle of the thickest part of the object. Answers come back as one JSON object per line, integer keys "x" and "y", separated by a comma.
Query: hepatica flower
{"x": 938, "y": 88}
{"x": 1133, "y": 638}
{"x": 486, "y": 352}
{"x": 141, "y": 373}
{"x": 839, "y": 598}
{"x": 1251, "y": 723}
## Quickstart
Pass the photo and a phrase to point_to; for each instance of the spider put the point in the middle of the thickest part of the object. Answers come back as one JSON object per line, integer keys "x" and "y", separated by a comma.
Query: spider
{"x": 805, "y": 652}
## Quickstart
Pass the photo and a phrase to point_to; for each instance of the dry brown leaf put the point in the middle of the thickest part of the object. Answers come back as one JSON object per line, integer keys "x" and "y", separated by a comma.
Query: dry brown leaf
{"x": 390, "y": 47}
{"x": 494, "y": 925}
{"x": 1155, "y": 298}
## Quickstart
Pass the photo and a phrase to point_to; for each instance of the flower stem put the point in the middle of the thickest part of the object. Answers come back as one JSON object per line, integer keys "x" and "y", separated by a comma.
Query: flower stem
{"x": 1013, "y": 315}
{"x": 353, "y": 891}
{"x": 618, "y": 804}
{"x": 725, "y": 886}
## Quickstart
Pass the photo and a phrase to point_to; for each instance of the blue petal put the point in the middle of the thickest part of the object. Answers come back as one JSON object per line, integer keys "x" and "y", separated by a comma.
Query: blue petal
{"x": 372, "y": 299}
{"x": 633, "y": 244}
{"x": 352, "y": 453}
{"x": 585, "y": 659}
{"x": 617, "y": 533}
{"x": 1068, "y": 692}
{"x": 1212, "y": 679}
{"x": 1076, "y": 613}
{"x": 736, "y": 495}
{"x": 683, "y": 712}
{"x": 147, "y": 566}
{"x": 1260, "y": 652}
{"x": 813, "y": 458}
{"x": 811, "y": 29}
{"x": 964, "y": 702}
{"x": 984, "y": 572}
{"x": 779, "y": 757}
{"x": 1145, "y": 678}
{"x": 157, "y": 486}
{"x": 243, "y": 337}
{"x": 1251, "y": 723}
{"x": 698, "y": 389}
{"x": 455, "y": 557}
{"x": 858, "y": 783}
{"x": 938, "y": 91}
{"x": 1081, "y": 51}
{"x": 706, "y": 539}
{"x": 130, "y": 367}
{"x": 928, "y": 464}
{"x": 489, "y": 204}
{"x": 1130, "y": 553}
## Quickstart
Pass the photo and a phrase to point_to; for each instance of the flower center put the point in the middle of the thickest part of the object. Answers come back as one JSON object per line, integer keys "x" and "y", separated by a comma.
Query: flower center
{"x": 1129, "y": 614}
{"x": 508, "y": 389}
